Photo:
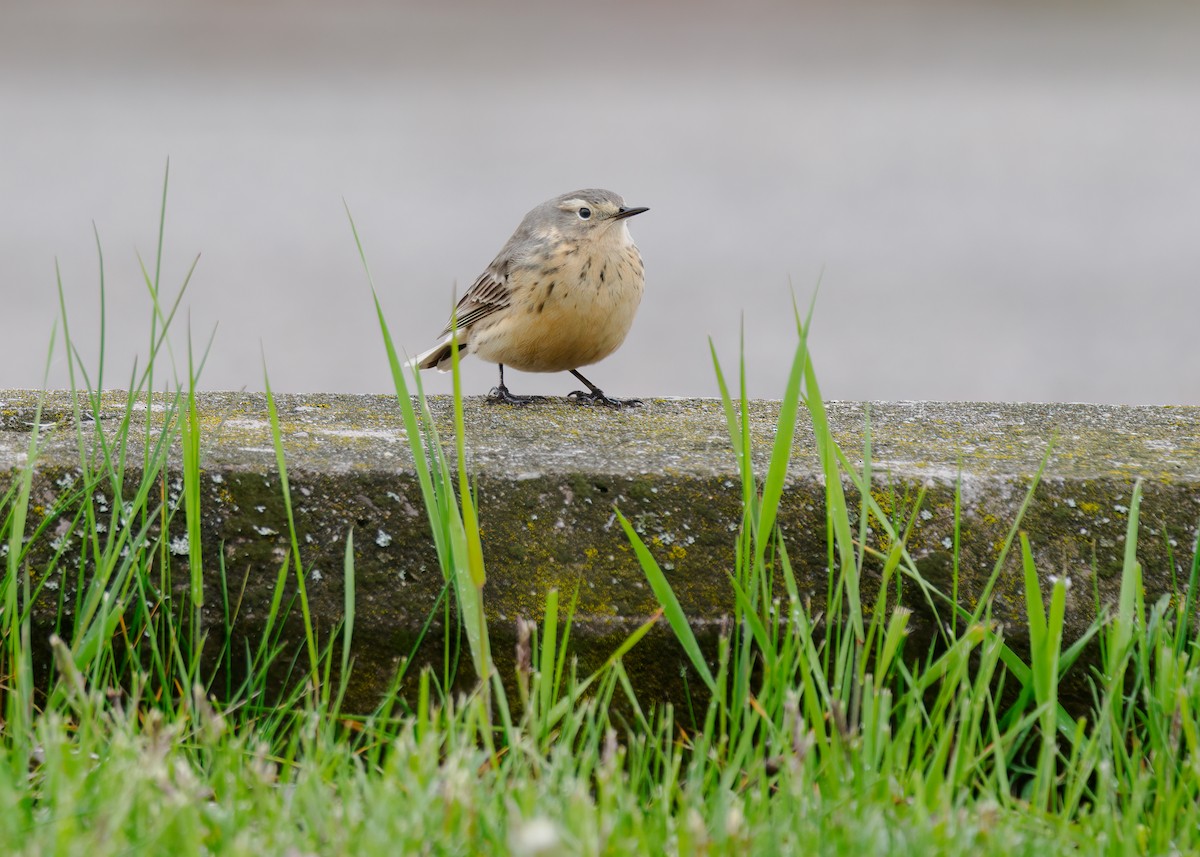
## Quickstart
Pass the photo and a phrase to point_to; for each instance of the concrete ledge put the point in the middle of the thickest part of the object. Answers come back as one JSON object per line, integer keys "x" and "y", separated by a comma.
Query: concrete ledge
{"x": 548, "y": 476}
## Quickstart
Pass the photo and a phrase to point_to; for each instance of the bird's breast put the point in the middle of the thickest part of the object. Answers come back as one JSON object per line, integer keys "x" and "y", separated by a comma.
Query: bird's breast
{"x": 571, "y": 309}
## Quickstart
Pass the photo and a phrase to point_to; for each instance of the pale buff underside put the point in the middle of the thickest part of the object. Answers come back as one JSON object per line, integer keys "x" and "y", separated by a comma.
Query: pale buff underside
{"x": 562, "y": 320}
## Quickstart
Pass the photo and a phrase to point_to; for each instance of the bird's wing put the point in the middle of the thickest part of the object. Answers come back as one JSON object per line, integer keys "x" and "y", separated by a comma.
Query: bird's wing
{"x": 487, "y": 295}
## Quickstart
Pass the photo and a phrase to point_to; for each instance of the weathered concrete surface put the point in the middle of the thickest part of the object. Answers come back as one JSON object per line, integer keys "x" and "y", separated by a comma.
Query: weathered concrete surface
{"x": 549, "y": 475}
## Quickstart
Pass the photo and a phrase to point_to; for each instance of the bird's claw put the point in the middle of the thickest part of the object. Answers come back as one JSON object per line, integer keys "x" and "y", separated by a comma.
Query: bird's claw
{"x": 583, "y": 397}
{"x": 501, "y": 395}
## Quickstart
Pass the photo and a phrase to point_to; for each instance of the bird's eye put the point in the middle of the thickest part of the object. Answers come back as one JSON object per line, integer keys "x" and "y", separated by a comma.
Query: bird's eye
{"x": 585, "y": 213}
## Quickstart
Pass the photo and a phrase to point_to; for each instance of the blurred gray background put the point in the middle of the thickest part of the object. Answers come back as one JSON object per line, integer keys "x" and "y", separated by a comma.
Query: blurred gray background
{"x": 1001, "y": 200}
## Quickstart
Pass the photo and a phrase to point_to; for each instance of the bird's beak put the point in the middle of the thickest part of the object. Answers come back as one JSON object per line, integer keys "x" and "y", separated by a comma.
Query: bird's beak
{"x": 622, "y": 213}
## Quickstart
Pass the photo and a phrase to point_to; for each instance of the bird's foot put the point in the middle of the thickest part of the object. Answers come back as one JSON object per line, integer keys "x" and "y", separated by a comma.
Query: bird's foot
{"x": 500, "y": 395}
{"x": 597, "y": 397}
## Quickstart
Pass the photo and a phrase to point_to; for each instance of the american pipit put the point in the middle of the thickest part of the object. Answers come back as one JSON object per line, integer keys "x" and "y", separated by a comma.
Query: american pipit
{"x": 560, "y": 295}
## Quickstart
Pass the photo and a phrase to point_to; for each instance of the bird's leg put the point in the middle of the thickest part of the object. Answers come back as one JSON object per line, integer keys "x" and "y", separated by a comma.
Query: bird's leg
{"x": 501, "y": 394}
{"x": 595, "y": 396}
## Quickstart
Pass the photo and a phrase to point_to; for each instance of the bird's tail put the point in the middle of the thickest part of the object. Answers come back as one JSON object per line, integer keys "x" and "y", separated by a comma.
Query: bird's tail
{"x": 438, "y": 356}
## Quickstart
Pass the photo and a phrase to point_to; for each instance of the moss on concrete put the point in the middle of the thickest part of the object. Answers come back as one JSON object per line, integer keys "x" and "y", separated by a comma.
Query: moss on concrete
{"x": 549, "y": 476}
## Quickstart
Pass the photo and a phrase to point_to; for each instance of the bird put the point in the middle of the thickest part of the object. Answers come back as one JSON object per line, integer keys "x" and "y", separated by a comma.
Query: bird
{"x": 561, "y": 294}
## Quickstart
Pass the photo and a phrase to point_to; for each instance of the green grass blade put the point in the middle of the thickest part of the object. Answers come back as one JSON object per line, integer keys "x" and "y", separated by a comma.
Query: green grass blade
{"x": 669, "y": 603}
{"x": 348, "y": 601}
{"x": 310, "y": 637}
